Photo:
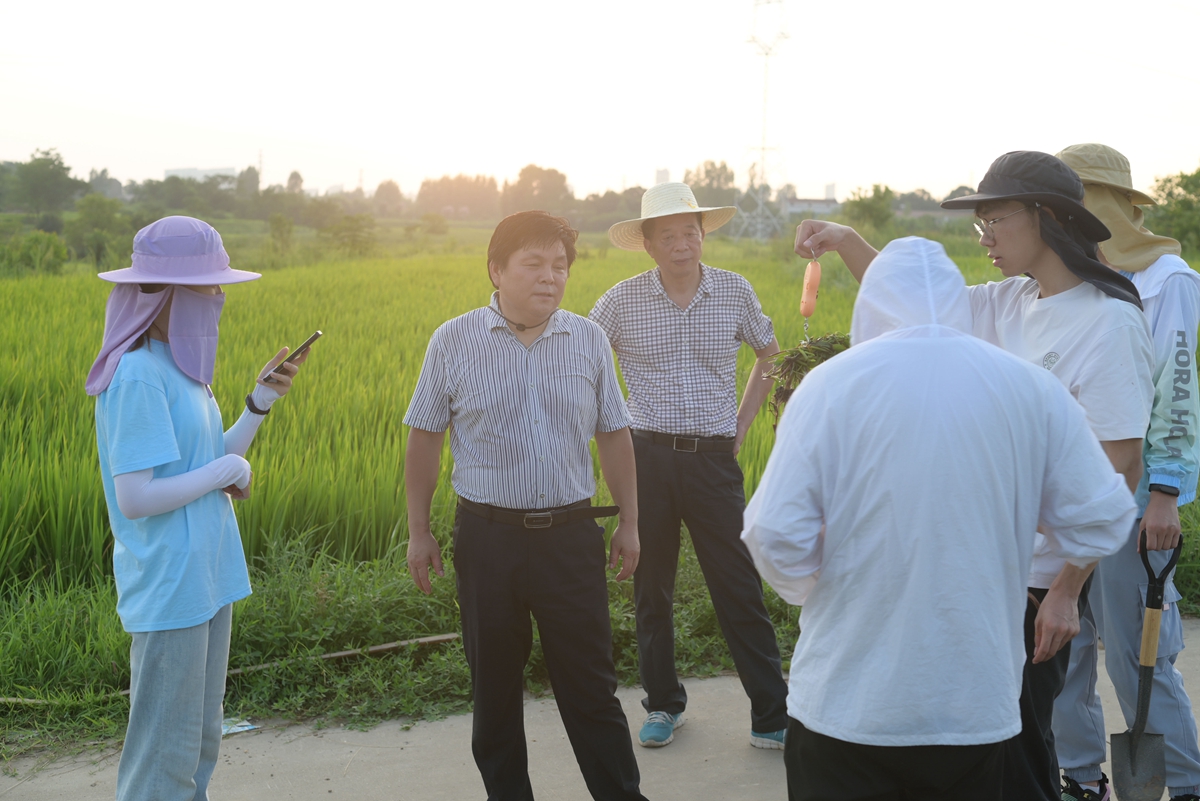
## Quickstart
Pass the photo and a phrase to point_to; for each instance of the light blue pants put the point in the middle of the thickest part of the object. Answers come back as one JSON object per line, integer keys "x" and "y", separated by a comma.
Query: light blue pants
{"x": 175, "y": 712}
{"x": 1116, "y": 605}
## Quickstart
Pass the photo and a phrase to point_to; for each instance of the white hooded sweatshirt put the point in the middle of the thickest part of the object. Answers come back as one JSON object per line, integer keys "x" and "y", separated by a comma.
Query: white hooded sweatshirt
{"x": 899, "y": 506}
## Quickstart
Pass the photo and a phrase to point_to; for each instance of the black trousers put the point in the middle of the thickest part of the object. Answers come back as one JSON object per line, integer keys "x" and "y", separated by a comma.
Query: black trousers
{"x": 821, "y": 768}
{"x": 703, "y": 490}
{"x": 1030, "y": 761}
{"x": 505, "y": 573}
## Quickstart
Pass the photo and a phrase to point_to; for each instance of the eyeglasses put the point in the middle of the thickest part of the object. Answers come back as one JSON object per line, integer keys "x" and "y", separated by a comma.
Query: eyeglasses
{"x": 984, "y": 227}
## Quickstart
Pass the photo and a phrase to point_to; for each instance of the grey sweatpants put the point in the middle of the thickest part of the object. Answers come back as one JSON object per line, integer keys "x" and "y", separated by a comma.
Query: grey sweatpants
{"x": 1114, "y": 615}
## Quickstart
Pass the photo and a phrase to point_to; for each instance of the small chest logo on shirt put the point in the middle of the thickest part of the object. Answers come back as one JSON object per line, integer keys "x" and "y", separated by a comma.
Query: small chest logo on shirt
{"x": 1049, "y": 360}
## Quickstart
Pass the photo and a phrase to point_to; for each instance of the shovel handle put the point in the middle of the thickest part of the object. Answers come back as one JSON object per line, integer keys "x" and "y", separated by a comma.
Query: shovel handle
{"x": 1155, "y": 587}
{"x": 1161, "y": 579}
{"x": 1151, "y": 623}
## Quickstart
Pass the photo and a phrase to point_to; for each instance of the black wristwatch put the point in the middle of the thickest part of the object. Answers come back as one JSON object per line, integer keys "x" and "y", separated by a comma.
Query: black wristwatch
{"x": 1165, "y": 489}
{"x": 255, "y": 410}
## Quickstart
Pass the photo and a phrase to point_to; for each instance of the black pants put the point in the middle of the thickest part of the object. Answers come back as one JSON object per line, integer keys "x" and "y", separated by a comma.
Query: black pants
{"x": 504, "y": 573}
{"x": 1030, "y": 760}
{"x": 820, "y": 768}
{"x": 703, "y": 490}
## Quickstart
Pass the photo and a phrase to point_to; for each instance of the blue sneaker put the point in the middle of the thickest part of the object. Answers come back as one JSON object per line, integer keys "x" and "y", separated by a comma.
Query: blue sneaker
{"x": 772, "y": 741}
{"x": 659, "y": 729}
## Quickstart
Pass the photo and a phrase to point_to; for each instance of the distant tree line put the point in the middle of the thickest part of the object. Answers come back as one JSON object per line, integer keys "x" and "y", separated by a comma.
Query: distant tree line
{"x": 44, "y": 188}
{"x": 108, "y": 212}
{"x": 481, "y": 198}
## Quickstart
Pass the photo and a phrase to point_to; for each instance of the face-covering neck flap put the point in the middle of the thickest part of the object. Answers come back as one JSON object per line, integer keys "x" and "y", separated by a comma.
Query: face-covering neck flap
{"x": 193, "y": 330}
{"x": 1132, "y": 248}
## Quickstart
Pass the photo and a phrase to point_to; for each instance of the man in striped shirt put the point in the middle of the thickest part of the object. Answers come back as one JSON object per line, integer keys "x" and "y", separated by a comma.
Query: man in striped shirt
{"x": 677, "y": 330}
{"x": 523, "y": 387}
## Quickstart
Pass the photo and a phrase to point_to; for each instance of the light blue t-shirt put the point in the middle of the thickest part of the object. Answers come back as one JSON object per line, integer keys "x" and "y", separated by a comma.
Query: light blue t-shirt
{"x": 173, "y": 570}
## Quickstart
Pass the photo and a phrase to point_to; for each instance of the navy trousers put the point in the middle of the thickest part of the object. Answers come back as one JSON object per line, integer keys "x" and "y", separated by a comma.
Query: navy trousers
{"x": 1030, "y": 760}
{"x": 504, "y": 574}
{"x": 703, "y": 490}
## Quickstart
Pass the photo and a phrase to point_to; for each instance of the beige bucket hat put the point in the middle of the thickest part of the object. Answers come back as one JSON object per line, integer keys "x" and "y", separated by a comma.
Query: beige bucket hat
{"x": 1101, "y": 164}
{"x": 663, "y": 200}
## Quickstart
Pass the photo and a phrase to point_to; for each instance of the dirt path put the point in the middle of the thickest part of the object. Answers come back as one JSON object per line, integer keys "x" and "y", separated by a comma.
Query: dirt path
{"x": 710, "y": 758}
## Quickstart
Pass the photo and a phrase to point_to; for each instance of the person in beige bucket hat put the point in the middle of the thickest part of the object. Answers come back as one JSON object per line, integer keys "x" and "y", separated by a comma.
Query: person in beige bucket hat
{"x": 1109, "y": 194}
{"x": 1170, "y": 293}
{"x": 677, "y": 330}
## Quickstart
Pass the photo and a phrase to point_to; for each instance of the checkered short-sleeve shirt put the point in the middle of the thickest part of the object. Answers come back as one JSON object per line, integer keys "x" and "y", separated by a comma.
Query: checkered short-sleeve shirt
{"x": 680, "y": 365}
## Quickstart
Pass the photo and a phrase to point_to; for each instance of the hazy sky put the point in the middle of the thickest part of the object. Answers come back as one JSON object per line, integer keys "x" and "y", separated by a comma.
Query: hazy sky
{"x": 911, "y": 94}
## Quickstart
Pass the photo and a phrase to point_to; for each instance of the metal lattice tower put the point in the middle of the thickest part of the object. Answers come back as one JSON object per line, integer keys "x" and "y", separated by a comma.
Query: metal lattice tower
{"x": 757, "y": 220}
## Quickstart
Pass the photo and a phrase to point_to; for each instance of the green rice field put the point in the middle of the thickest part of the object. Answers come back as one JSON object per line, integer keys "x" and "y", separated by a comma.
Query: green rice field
{"x": 329, "y": 461}
{"x": 326, "y": 526}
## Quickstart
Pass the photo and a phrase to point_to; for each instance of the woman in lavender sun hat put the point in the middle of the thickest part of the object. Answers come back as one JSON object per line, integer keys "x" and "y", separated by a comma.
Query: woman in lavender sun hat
{"x": 170, "y": 471}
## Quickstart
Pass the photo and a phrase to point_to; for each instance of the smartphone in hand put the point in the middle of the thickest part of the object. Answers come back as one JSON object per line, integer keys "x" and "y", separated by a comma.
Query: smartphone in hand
{"x": 295, "y": 354}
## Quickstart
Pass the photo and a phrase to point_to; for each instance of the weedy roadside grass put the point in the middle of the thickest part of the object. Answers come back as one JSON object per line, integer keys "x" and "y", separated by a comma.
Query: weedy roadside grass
{"x": 62, "y": 644}
{"x": 326, "y": 526}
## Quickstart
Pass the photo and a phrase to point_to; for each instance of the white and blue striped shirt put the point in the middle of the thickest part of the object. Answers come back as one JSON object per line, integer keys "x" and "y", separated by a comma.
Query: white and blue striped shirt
{"x": 520, "y": 418}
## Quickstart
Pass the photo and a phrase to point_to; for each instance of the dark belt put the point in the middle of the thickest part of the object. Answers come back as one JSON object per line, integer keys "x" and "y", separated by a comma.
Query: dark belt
{"x": 539, "y": 518}
{"x": 687, "y": 444}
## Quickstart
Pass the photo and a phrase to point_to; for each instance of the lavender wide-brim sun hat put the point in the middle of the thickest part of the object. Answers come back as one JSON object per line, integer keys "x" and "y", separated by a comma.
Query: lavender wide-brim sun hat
{"x": 179, "y": 250}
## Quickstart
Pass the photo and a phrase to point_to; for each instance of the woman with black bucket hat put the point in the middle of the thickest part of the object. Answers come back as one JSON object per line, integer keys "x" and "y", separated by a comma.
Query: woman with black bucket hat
{"x": 1058, "y": 307}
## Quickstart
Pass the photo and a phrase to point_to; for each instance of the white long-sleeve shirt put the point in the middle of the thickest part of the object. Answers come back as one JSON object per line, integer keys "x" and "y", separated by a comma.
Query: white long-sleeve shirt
{"x": 1170, "y": 291}
{"x": 900, "y": 504}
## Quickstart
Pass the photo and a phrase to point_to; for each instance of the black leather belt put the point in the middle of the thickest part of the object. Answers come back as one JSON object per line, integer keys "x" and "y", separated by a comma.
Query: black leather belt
{"x": 539, "y": 518}
{"x": 687, "y": 444}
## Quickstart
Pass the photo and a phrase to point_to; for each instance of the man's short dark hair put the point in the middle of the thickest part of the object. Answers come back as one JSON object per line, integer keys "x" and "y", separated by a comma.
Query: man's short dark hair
{"x": 527, "y": 229}
{"x": 648, "y": 225}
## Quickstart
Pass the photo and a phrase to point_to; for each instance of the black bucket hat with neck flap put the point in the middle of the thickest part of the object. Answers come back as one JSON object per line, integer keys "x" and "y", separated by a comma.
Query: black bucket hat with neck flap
{"x": 1045, "y": 181}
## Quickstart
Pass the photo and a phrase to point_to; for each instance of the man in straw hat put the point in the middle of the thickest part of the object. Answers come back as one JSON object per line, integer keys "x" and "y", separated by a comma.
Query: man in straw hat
{"x": 676, "y": 331}
{"x": 1170, "y": 292}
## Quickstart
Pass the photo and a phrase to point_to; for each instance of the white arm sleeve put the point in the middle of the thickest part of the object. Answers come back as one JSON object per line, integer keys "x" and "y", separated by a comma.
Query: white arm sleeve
{"x": 140, "y": 494}
{"x": 241, "y": 434}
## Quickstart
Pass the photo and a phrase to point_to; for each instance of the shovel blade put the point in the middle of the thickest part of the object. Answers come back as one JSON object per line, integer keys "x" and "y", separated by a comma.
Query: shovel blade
{"x": 1141, "y": 776}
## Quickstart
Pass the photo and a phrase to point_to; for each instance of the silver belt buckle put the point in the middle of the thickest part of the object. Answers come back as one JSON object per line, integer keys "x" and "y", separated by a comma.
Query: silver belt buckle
{"x": 695, "y": 444}
{"x": 539, "y": 519}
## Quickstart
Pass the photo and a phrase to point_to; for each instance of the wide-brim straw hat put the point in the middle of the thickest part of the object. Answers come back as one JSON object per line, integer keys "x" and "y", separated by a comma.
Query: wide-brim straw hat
{"x": 1101, "y": 164}
{"x": 179, "y": 250}
{"x": 1038, "y": 177}
{"x": 664, "y": 200}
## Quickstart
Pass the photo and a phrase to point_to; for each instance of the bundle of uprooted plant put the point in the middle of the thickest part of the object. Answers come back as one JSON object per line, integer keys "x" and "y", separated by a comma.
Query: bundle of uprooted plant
{"x": 789, "y": 367}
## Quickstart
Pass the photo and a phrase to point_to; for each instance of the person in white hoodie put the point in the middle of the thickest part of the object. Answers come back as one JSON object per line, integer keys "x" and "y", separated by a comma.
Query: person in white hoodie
{"x": 1062, "y": 310}
{"x": 1170, "y": 292}
{"x": 899, "y": 506}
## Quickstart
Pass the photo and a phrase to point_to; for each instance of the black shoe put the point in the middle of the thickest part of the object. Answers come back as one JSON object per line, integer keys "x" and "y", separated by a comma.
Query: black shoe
{"x": 1073, "y": 792}
{"x": 1186, "y": 797}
